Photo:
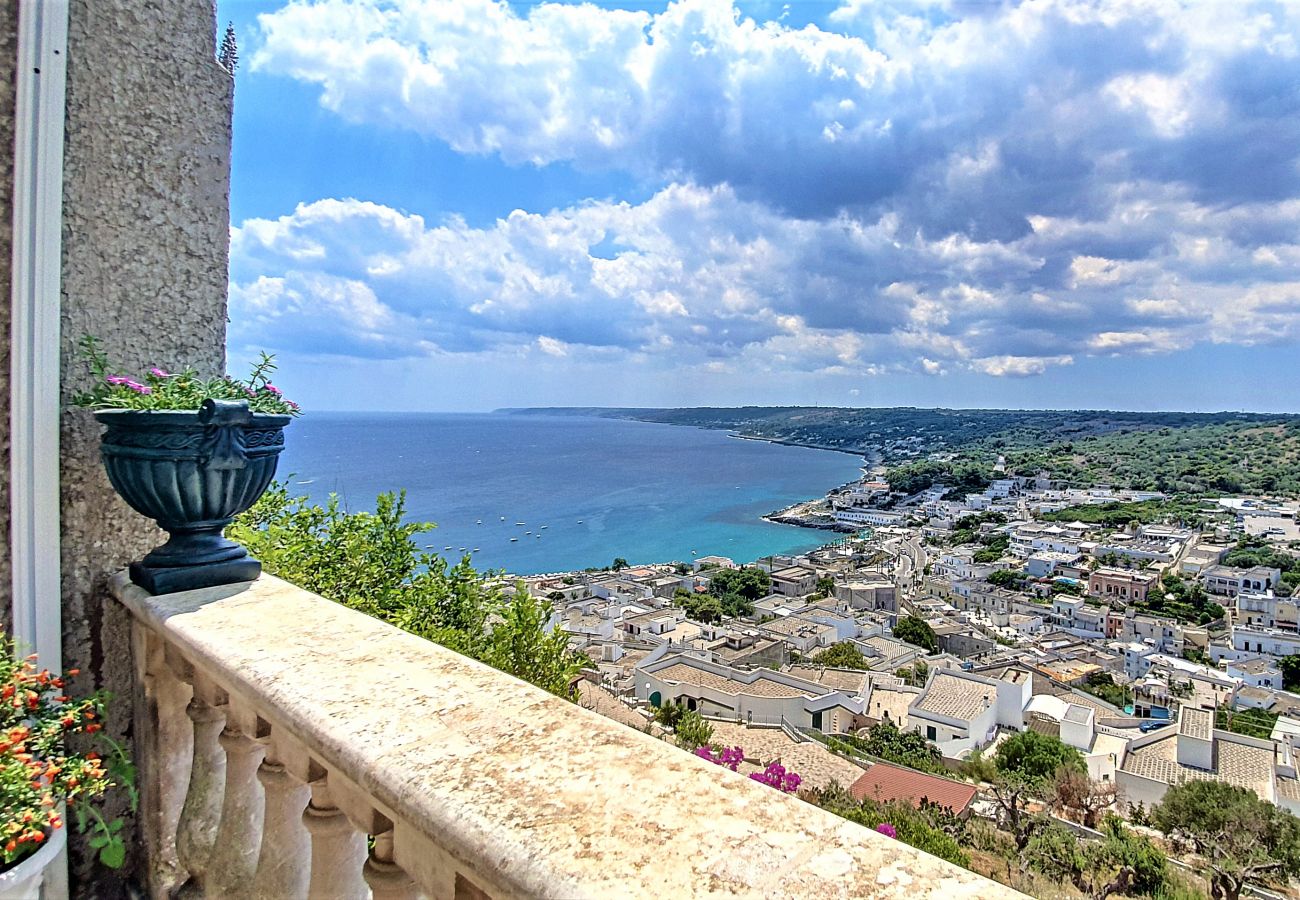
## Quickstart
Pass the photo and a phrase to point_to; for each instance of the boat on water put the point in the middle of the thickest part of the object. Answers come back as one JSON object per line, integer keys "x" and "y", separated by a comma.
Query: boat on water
{"x": 448, "y": 547}
{"x": 475, "y": 550}
{"x": 514, "y": 540}
{"x": 503, "y": 518}
{"x": 527, "y": 532}
{"x": 308, "y": 481}
{"x": 479, "y": 522}
{"x": 544, "y": 527}
{"x": 579, "y": 521}
{"x": 521, "y": 523}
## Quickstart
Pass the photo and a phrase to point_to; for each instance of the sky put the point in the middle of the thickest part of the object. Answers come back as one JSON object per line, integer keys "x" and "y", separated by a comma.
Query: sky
{"x": 465, "y": 204}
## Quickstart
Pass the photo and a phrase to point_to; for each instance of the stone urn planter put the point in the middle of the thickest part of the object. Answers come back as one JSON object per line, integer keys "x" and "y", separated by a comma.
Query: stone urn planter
{"x": 192, "y": 472}
{"x": 40, "y": 876}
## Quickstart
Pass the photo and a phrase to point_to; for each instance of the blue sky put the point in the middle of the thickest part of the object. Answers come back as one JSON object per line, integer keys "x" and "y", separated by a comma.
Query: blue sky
{"x": 465, "y": 204}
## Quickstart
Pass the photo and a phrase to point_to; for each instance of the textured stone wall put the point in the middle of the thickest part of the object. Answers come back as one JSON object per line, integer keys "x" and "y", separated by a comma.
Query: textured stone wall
{"x": 145, "y": 246}
{"x": 8, "y": 65}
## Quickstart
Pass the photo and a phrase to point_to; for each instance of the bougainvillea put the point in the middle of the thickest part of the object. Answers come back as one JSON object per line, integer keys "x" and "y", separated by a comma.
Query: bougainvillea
{"x": 775, "y": 775}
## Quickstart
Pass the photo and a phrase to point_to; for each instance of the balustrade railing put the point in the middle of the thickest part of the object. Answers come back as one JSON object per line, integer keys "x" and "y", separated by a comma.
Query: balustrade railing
{"x": 290, "y": 747}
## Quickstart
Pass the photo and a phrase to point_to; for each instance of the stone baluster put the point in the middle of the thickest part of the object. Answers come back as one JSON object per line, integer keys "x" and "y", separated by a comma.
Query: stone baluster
{"x": 386, "y": 879}
{"x": 164, "y": 748}
{"x": 284, "y": 862}
{"x": 239, "y": 837}
{"x": 338, "y": 851}
{"x": 201, "y": 814}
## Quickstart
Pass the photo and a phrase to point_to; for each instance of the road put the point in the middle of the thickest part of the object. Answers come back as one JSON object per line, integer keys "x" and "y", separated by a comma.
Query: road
{"x": 910, "y": 562}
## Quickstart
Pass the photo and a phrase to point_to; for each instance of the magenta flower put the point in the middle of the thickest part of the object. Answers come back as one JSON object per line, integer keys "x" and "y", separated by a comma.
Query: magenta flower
{"x": 139, "y": 388}
{"x": 160, "y": 373}
{"x": 887, "y": 830}
{"x": 775, "y": 775}
{"x": 118, "y": 379}
{"x": 273, "y": 389}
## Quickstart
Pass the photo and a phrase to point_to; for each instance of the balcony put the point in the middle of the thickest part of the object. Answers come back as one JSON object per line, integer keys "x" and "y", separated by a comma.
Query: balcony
{"x": 291, "y": 747}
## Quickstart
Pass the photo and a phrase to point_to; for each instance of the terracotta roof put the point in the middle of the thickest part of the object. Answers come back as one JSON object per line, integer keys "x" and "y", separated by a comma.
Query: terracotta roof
{"x": 884, "y": 783}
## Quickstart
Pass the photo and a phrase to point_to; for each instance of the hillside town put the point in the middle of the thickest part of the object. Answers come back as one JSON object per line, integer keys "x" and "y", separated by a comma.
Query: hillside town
{"x": 1157, "y": 638}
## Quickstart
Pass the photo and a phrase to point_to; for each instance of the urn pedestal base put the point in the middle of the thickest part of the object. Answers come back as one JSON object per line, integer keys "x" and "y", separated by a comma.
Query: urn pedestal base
{"x": 172, "y": 579}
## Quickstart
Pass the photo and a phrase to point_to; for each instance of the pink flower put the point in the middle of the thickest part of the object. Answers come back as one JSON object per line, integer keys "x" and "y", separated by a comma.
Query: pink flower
{"x": 139, "y": 388}
{"x": 273, "y": 389}
{"x": 160, "y": 373}
{"x": 118, "y": 379}
{"x": 887, "y": 830}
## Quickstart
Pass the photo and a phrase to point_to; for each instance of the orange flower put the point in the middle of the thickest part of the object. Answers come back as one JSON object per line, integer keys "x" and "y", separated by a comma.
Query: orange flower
{"x": 74, "y": 672}
{"x": 91, "y": 729}
{"x": 11, "y": 846}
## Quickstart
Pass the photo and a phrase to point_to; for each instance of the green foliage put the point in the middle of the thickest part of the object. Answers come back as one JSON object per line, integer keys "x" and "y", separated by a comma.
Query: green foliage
{"x": 1121, "y": 862}
{"x": 669, "y": 713}
{"x": 916, "y": 631}
{"x": 1255, "y": 723}
{"x": 1290, "y": 666}
{"x": 1102, "y": 685}
{"x": 737, "y": 589}
{"x": 841, "y": 656}
{"x": 906, "y": 748}
{"x": 619, "y": 564}
{"x": 1035, "y": 758}
{"x": 692, "y": 730}
{"x": 826, "y": 585}
{"x": 931, "y": 828}
{"x": 1119, "y": 515}
{"x": 371, "y": 563}
{"x": 1254, "y": 551}
{"x": 1007, "y": 578}
{"x": 185, "y": 391}
{"x": 1182, "y": 600}
{"x": 1240, "y": 837}
{"x": 700, "y": 607}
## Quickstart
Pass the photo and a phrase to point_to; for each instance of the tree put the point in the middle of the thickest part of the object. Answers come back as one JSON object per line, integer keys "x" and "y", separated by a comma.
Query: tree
{"x": 916, "y": 631}
{"x": 1074, "y": 791}
{"x": 1121, "y": 862}
{"x": 370, "y": 561}
{"x": 1012, "y": 794}
{"x": 1290, "y": 666}
{"x": 1240, "y": 837}
{"x": 1036, "y": 757}
{"x": 669, "y": 713}
{"x": 826, "y": 585}
{"x": 841, "y": 656}
{"x": 228, "y": 55}
{"x": 692, "y": 731}
{"x": 906, "y": 748}
{"x": 619, "y": 564}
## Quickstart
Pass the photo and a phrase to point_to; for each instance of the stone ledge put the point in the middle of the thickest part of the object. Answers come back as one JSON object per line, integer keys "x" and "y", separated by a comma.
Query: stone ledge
{"x": 527, "y": 794}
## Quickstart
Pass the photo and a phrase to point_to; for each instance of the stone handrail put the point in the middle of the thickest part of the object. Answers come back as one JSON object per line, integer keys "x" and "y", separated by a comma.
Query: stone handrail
{"x": 277, "y": 730}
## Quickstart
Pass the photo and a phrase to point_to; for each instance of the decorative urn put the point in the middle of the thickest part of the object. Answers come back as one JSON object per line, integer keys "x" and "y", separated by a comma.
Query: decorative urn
{"x": 192, "y": 472}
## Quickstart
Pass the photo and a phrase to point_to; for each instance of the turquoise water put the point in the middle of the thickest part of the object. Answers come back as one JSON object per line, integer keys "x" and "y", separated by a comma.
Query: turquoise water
{"x": 588, "y": 490}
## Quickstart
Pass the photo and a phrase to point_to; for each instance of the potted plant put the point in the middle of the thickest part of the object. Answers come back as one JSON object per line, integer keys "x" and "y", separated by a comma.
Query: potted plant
{"x": 41, "y": 776}
{"x": 191, "y": 453}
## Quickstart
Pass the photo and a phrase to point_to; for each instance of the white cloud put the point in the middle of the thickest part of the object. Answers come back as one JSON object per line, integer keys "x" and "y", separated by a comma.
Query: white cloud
{"x": 930, "y": 187}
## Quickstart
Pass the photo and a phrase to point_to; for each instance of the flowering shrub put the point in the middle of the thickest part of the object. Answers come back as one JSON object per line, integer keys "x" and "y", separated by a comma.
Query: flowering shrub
{"x": 775, "y": 775}
{"x": 162, "y": 390}
{"x": 730, "y": 757}
{"x": 887, "y": 830}
{"x": 38, "y": 771}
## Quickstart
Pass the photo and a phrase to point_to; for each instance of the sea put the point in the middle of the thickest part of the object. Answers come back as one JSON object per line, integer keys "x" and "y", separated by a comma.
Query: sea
{"x": 533, "y": 494}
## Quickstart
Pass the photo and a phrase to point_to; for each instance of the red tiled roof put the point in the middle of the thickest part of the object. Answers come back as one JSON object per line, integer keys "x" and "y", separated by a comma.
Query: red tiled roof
{"x": 884, "y": 783}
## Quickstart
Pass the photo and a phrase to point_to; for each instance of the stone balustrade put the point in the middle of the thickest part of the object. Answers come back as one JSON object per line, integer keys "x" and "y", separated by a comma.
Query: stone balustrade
{"x": 290, "y": 747}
